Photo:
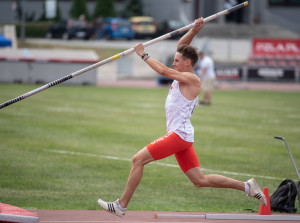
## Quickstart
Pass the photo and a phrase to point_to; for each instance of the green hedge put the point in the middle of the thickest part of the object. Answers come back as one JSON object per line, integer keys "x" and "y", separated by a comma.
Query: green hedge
{"x": 34, "y": 29}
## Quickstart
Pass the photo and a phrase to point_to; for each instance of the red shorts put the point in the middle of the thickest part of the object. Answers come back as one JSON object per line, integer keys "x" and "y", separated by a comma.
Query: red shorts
{"x": 170, "y": 144}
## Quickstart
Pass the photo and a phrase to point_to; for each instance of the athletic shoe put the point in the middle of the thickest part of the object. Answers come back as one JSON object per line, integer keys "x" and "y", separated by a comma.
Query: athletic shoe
{"x": 256, "y": 192}
{"x": 112, "y": 207}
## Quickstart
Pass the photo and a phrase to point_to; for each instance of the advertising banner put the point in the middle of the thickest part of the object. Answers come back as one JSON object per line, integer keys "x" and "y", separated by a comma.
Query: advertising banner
{"x": 228, "y": 72}
{"x": 276, "y": 46}
{"x": 271, "y": 74}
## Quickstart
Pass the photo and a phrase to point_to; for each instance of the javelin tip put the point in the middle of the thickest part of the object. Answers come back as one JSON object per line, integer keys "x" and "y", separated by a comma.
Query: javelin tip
{"x": 245, "y": 3}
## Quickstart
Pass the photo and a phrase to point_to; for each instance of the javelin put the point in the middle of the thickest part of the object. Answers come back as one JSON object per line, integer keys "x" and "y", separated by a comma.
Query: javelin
{"x": 117, "y": 56}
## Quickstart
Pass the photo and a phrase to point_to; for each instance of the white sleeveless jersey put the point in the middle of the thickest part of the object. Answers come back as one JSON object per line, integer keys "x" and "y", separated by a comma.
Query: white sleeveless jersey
{"x": 178, "y": 113}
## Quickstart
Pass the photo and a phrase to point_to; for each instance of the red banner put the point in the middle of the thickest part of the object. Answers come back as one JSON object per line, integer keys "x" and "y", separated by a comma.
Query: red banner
{"x": 276, "y": 46}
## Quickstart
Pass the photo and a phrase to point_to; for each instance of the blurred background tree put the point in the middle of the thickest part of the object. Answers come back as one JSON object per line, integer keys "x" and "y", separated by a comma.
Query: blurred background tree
{"x": 104, "y": 8}
{"x": 133, "y": 8}
{"x": 78, "y": 9}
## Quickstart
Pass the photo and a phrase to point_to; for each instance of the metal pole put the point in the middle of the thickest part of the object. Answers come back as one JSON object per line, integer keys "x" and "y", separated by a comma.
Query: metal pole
{"x": 117, "y": 56}
{"x": 23, "y": 22}
{"x": 196, "y": 9}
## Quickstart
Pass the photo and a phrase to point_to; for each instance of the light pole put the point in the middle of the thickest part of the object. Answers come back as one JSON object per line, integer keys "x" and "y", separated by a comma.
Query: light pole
{"x": 23, "y": 22}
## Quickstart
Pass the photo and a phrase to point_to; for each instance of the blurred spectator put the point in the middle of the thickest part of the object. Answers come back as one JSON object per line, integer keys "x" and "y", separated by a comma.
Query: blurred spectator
{"x": 206, "y": 71}
{"x": 82, "y": 19}
{"x": 99, "y": 28}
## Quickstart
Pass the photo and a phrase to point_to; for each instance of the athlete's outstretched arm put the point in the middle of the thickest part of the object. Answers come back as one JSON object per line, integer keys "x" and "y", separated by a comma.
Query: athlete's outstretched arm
{"x": 188, "y": 37}
{"x": 163, "y": 69}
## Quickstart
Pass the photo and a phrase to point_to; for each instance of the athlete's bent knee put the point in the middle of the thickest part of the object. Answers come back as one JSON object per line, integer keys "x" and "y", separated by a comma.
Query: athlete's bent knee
{"x": 137, "y": 160}
{"x": 142, "y": 157}
{"x": 200, "y": 182}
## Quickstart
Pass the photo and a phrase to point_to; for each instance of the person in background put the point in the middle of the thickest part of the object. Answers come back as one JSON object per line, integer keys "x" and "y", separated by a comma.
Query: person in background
{"x": 205, "y": 69}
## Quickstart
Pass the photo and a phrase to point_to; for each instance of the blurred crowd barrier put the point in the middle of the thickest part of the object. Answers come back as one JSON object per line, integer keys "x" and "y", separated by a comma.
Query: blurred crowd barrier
{"x": 44, "y": 66}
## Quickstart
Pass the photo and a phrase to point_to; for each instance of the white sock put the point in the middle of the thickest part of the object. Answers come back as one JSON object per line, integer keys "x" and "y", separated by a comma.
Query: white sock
{"x": 247, "y": 188}
{"x": 121, "y": 208}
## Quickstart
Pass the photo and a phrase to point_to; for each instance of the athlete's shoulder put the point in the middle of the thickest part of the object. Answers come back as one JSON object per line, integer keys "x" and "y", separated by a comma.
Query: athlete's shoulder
{"x": 191, "y": 79}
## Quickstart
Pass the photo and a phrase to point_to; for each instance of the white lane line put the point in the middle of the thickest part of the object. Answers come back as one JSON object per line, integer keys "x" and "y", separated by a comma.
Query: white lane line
{"x": 161, "y": 164}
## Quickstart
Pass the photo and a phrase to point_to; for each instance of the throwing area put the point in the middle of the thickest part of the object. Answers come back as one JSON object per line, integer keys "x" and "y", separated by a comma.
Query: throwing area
{"x": 92, "y": 216}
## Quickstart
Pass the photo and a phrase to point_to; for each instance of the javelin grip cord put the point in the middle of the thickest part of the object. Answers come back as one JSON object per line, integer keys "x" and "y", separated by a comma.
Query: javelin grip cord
{"x": 117, "y": 56}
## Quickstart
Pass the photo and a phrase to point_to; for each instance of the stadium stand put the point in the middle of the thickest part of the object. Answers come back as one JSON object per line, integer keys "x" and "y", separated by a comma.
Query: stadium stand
{"x": 275, "y": 53}
{"x": 282, "y": 61}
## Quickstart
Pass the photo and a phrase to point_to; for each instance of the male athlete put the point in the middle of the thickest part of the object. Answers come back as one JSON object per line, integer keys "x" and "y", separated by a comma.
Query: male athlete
{"x": 181, "y": 100}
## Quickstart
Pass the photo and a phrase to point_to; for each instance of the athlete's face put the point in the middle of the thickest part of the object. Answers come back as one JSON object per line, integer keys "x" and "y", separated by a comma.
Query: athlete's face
{"x": 179, "y": 62}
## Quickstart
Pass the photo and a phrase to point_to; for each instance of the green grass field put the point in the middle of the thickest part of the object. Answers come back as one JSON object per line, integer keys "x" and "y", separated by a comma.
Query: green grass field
{"x": 68, "y": 146}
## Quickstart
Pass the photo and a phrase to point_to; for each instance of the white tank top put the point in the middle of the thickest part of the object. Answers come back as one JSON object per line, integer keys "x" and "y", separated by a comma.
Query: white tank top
{"x": 178, "y": 113}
